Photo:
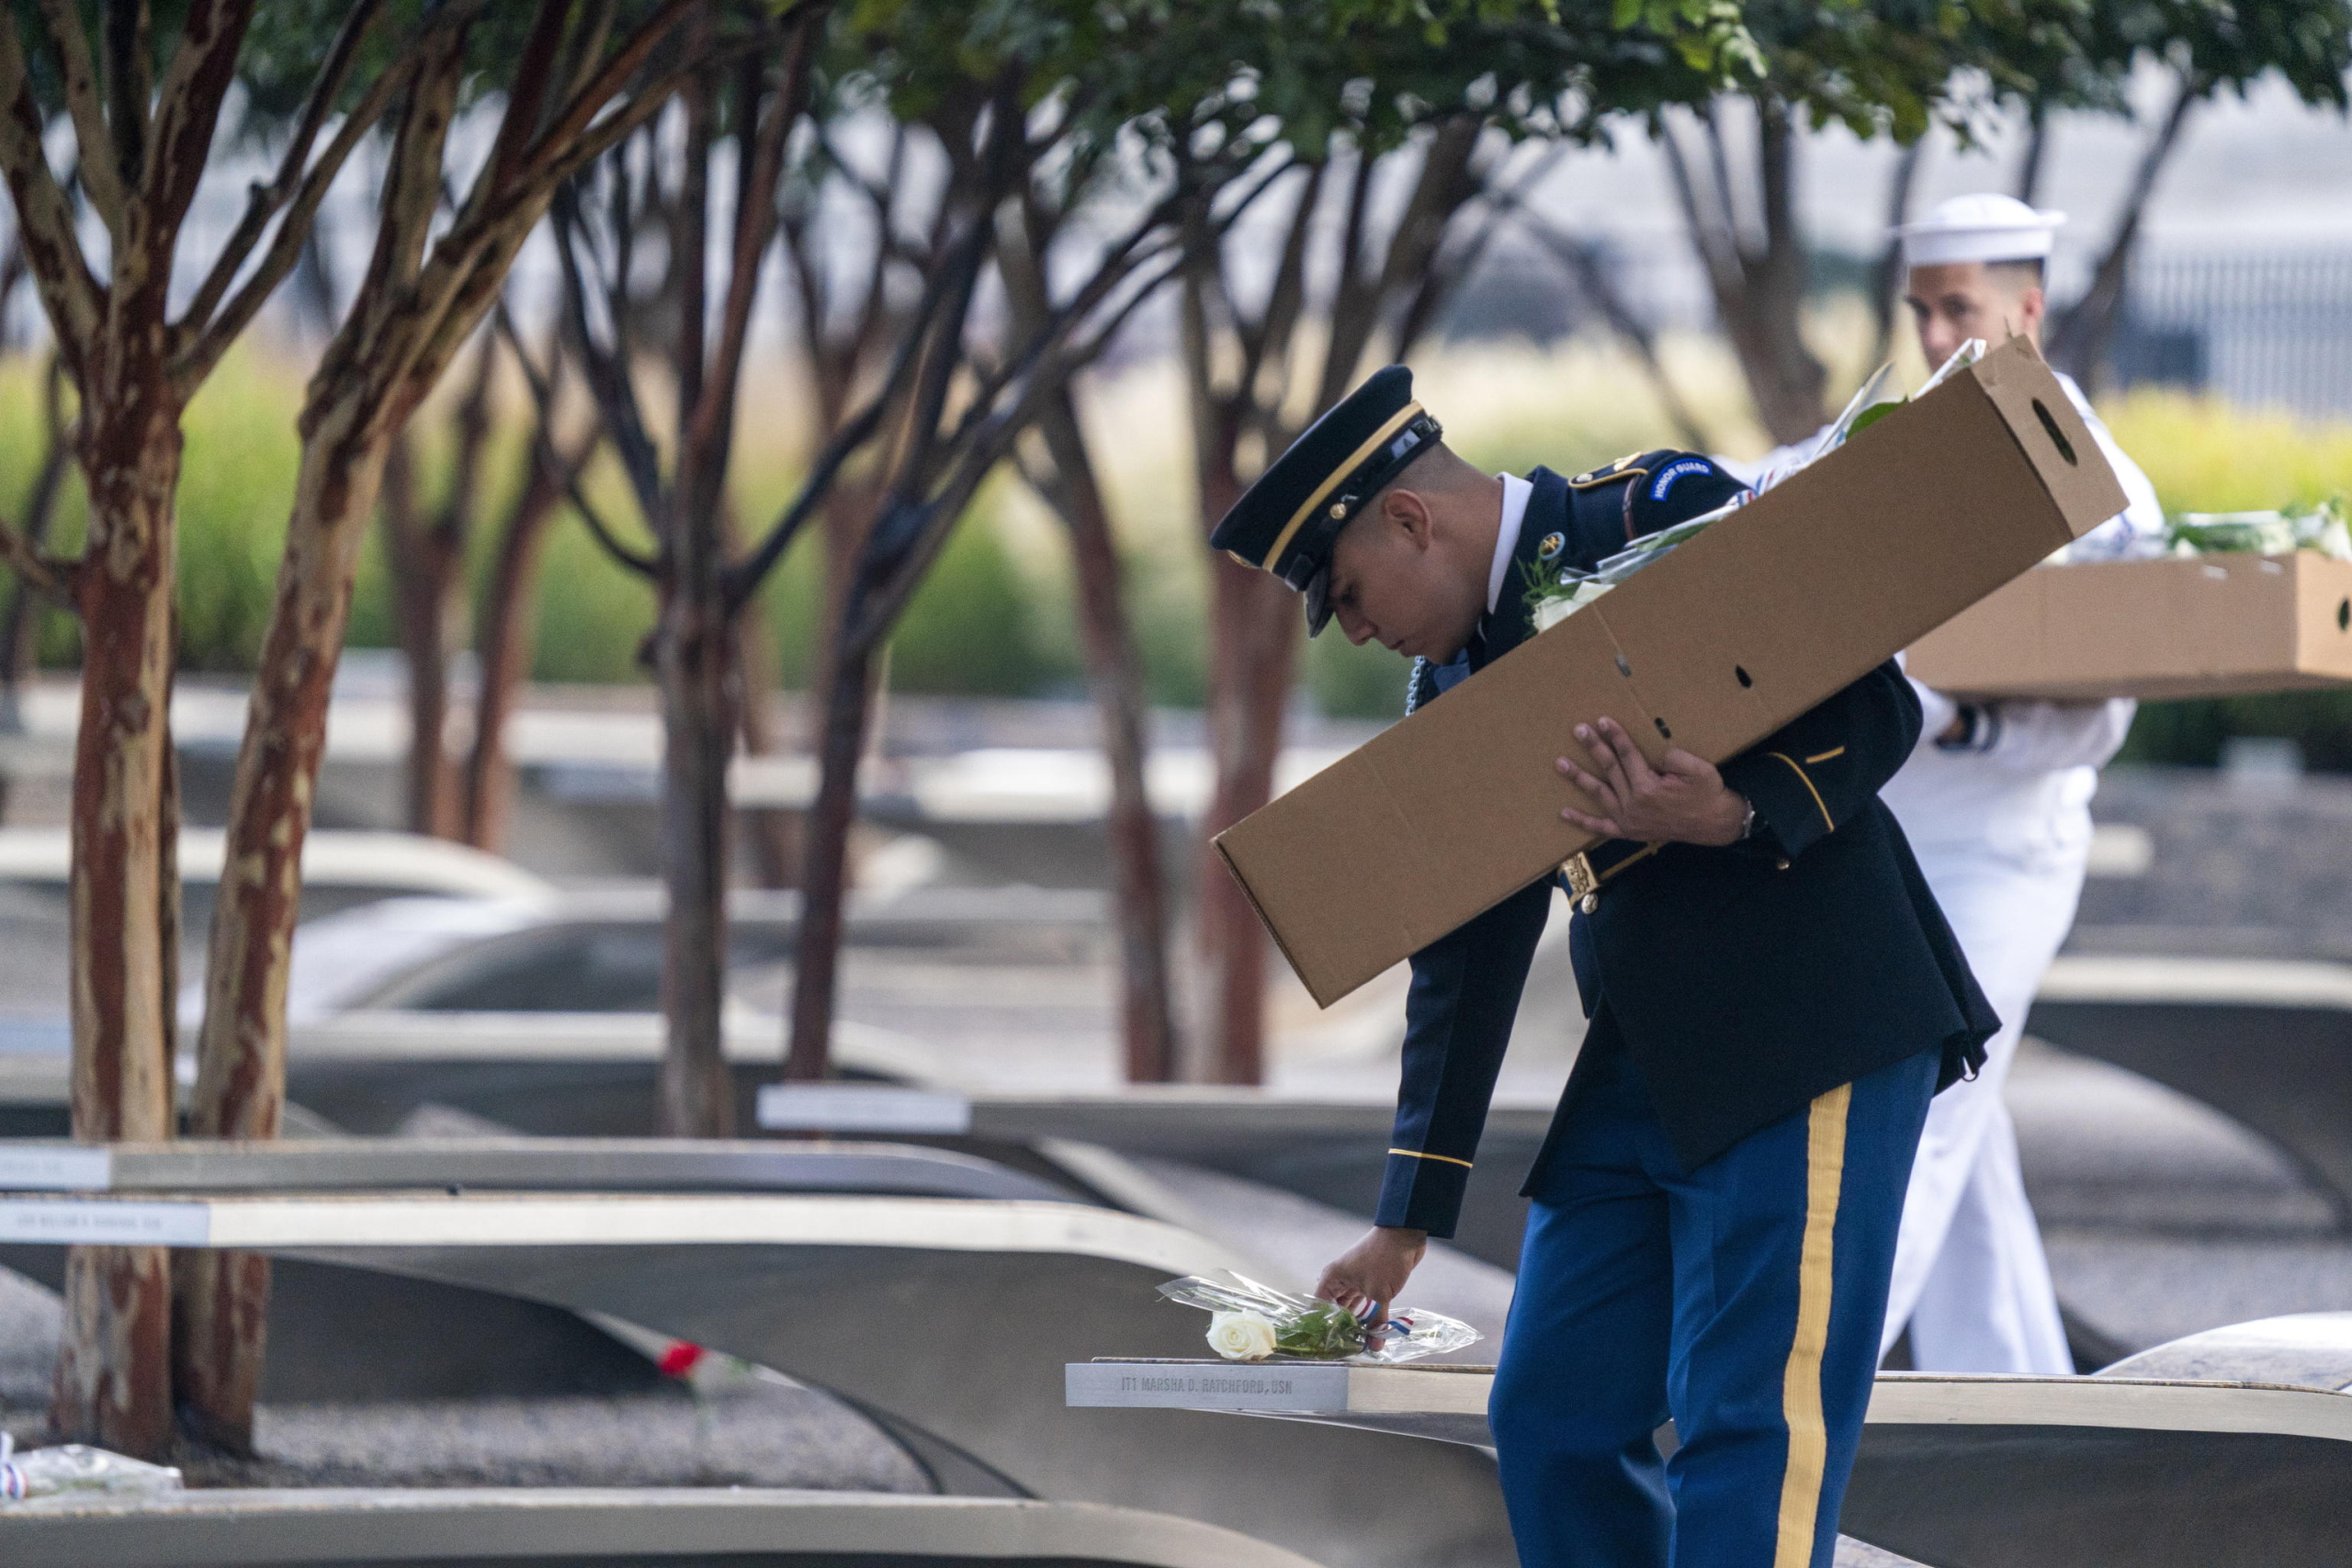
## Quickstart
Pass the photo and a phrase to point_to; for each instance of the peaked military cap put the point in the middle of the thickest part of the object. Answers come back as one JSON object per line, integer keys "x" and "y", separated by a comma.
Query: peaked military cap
{"x": 1287, "y": 522}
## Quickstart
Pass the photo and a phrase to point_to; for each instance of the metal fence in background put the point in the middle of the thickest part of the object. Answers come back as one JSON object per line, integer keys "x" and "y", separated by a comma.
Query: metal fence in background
{"x": 2258, "y": 328}
{"x": 2268, "y": 328}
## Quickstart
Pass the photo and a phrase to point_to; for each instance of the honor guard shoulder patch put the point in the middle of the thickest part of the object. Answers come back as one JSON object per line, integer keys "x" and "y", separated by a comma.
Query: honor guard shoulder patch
{"x": 1552, "y": 545}
{"x": 1673, "y": 471}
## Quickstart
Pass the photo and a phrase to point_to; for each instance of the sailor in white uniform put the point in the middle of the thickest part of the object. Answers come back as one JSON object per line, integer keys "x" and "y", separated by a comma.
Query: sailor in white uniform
{"x": 1997, "y": 802}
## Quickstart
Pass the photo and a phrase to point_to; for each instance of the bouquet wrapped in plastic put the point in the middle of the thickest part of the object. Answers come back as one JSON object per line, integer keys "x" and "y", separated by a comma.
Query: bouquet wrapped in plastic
{"x": 1554, "y": 596}
{"x": 73, "y": 1467}
{"x": 1250, "y": 1322}
{"x": 2321, "y": 528}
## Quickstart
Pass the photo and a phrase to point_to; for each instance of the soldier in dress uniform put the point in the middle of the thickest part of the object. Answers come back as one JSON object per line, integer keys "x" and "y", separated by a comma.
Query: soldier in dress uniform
{"x": 1996, "y": 802}
{"x": 1772, "y": 998}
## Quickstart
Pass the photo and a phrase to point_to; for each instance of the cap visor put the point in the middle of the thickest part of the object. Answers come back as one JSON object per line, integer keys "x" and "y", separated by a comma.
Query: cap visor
{"x": 1318, "y": 593}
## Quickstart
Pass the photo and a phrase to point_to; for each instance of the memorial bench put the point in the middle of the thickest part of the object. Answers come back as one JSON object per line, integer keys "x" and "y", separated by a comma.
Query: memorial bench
{"x": 567, "y": 1528}
{"x": 2268, "y": 1042}
{"x": 948, "y": 1320}
{"x": 2232, "y": 1446}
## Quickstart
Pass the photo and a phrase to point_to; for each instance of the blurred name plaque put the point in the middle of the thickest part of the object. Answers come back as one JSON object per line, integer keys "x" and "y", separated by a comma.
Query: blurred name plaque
{"x": 74, "y": 1221}
{"x": 1204, "y": 1385}
{"x": 862, "y": 1108}
{"x": 55, "y": 1167}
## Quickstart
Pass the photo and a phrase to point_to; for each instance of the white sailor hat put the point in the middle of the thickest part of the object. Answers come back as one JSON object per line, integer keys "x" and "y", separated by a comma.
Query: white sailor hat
{"x": 1984, "y": 228}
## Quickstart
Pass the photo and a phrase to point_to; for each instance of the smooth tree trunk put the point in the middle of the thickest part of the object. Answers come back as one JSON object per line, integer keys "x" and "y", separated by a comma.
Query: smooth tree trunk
{"x": 507, "y": 647}
{"x": 1115, "y": 674}
{"x": 824, "y": 881}
{"x": 113, "y": 1381}
{"x": 426, "y": 563}
{"x": 1758, "y": 287}
{"x": 2078, "y": 342}
{"x": 2036, "y": 158}
{"x": 426, "y": 551}
{"x": 693, "y": 645}
{"x": 1886, "y": 278}
{"x": 1766, "y": 324}
{"x": 1258, "y": 623}
{"x": 240, "y": 1091}
{"x": 773, "y": 833}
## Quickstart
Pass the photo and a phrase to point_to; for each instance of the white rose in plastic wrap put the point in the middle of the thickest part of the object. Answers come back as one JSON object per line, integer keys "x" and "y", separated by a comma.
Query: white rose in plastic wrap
{"x": 1241, "y": 1335}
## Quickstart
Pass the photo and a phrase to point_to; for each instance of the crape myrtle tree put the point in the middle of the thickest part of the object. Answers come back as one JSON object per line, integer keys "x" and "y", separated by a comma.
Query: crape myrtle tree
{"x": 1038, "y": 103}
{"x": 1879, "y": 69}
{"x": 569, "y": 81}
{"x": 143, "y": 88}
{"x": 425, "y": 549}
{"x": 1056, "y": 462}
{"x": 464, "y": 792}
{"x": 681, "y": 496}
{"x": 505, "y": 639}
{"x": 860, "y": 229}
{"x": 1439, "y": 111}
{"x": 2205, "y": 47}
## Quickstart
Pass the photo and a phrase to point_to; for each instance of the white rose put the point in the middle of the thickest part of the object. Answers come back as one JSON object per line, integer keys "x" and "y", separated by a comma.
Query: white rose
{"x": 1241, "y": 1335}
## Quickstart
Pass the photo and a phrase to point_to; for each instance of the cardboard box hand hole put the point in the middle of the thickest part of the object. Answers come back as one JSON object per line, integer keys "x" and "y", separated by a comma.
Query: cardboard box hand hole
{"x": 2058, "y": 436}
{"x": 2344, "y": 615}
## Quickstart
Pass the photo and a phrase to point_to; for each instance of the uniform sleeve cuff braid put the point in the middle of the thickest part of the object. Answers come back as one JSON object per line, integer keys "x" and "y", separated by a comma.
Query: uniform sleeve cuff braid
{"x": 1422, "y": 1193}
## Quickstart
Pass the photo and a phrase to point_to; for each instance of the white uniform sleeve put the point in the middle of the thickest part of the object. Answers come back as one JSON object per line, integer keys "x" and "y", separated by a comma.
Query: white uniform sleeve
{"x": 2139, "y": 529}
{"x": 2030, "y": 737}
{"x": 2038, "y": 736}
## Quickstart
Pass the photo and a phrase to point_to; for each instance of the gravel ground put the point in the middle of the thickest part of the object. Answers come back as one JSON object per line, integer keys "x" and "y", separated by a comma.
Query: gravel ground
{"x": 746, "y": 1436}
{"x": 737, "y": 1429}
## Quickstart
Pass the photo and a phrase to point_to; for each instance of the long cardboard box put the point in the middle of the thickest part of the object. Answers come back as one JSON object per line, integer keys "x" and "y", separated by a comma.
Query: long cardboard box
{"x": 2208, "y": 626}
{"x": 1764, "y": 614}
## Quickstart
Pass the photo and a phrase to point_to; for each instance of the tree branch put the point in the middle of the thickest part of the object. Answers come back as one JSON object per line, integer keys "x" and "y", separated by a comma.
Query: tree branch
{"x": 704, "y": 444}
{"x": 534, "y": 75}
{"x": 72, "y": 296}
{"x": 188, "y": 108}
{"x": 46, "y": 575}
{"x": 207, "y": 335}
{"x": 78, "y": 74}
{"x": 263, "y": 201}
{"x": 129, "y": 83}
{"x": 606, "y": 83}
{"x": 743, "y": 579}
{"x": 551, "y": 463}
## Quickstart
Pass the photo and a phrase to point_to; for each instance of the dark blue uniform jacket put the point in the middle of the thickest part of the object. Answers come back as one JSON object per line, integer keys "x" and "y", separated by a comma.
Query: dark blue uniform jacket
{"x": 1745, "y": 980}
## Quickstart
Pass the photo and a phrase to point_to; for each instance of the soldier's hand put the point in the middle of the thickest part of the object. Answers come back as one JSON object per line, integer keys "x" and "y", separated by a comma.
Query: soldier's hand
{"x": 1683, "y": 800}
{"x": 1369, "y": 1277}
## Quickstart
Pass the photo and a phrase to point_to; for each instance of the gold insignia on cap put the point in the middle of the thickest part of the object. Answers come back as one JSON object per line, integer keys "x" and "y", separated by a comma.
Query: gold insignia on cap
{"x": 1396, "y": 422}
{"x": 1338, "y": 508}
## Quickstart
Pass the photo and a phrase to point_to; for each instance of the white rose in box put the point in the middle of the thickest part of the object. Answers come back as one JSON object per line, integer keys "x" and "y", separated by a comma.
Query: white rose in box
{"x": 1241, "y": 1335}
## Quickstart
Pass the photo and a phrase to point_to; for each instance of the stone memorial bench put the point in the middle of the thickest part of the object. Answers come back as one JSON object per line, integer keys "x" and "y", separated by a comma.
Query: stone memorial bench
{"x": 949, "y": 1320}
{"x": 567, "y": 1528}
{"x": 2231, "y": 1446}
{"x": 2268, "y": 1042}
{"x": 1331, "y": 1151}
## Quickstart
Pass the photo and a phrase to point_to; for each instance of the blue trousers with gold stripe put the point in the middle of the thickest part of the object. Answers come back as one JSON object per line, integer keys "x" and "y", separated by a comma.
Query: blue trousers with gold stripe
{"x": 1742, "y": 1299}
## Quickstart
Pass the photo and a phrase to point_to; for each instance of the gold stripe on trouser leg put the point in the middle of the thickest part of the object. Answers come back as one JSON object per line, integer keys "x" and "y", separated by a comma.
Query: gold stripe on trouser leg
{"x": 1824, "y": 1171}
